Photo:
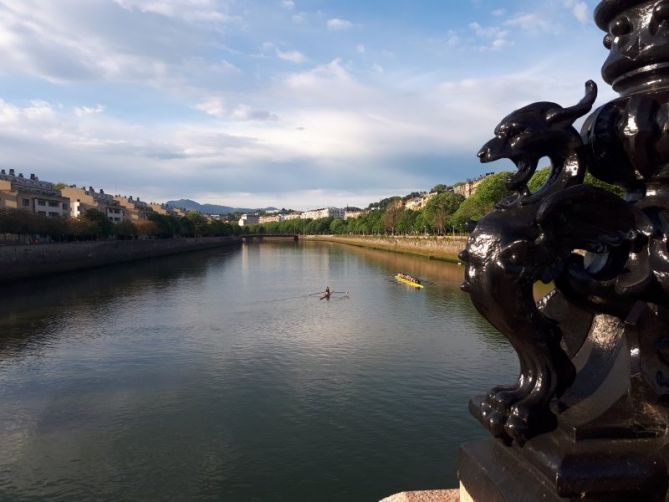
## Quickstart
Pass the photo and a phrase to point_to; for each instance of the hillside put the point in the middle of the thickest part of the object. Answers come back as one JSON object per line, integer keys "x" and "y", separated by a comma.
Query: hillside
{"x": 191, "y": 205}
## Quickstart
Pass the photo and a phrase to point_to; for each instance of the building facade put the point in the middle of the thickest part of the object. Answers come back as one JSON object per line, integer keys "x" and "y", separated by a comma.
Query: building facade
{"x": 325, "y": 212}
{"x": 270, "y": 218}
{"x": 82, "y": 199}
{"x": 248, "y": 219}
{"x": 31, "y": 194}
{"x": 135, "y": 209}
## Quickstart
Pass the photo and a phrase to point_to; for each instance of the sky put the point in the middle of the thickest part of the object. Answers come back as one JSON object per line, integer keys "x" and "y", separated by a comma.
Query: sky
{"x": 287, "y": 103}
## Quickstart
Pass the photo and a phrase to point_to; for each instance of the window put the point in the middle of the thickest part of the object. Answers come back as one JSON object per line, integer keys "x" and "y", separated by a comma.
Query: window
{"x": 26, "y": 202}
{"x": 41, "y": 213}
{"x": 41, "y": 202}
{"x": 65, "y": 206}
{"x": 52, "y": 214}
{"x": 53, "y": 203}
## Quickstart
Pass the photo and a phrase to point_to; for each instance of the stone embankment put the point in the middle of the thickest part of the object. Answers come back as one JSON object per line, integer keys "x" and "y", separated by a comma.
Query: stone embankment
{"x": 19, "y": 262}
{"x": 435, "y": 247}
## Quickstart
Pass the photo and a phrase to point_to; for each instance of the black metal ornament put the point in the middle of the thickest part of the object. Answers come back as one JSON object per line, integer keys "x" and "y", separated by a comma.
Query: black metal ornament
{"x": 591, "y": 403}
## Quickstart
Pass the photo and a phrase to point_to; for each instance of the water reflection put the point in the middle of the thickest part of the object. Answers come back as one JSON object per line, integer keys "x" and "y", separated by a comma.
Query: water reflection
{"x": 216, "y": 375}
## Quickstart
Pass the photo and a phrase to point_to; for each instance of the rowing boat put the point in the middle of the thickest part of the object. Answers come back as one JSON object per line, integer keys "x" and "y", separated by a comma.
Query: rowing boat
{"x": 405, "y": 280}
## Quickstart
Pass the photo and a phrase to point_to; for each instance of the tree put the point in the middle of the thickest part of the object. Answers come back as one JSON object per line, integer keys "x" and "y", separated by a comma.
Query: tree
{"x": 439, "y": 188}
{"x": 103, "y": 227}
{"x": 440, "y": 208}
{"x": 337, "y": 226}
{"x": 199, "y": 223}
{"x": 392, "y": 214}
{"x": 491, "y": 191}
{"x": 541, "y": 176}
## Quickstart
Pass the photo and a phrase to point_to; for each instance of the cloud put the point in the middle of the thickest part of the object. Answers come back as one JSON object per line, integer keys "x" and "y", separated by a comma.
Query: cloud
{"x": 80, "y": 111}
{"x": 336, "y": 24}
{"x": 292, "y": 56}
{"x": 496, "y": 38}
{"x": 187, "y": 10}
{"x": 579, "y": 9}
{"x": 80, "y": 42}
{"x": 188, "y": 111}
{"x": 216, "y": 107}
{"x": 530, "y": 22}
{"x": 498, "y": 12}
{"x": 288, "y": 4}
{"x": 299, "y": 18}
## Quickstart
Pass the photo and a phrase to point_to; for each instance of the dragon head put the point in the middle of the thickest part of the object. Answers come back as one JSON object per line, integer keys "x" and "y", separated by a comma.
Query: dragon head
{"x": 535, "y": 131}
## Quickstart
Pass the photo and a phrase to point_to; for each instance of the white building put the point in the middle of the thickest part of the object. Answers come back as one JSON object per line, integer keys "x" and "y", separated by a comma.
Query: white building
{"x": 249, "y": 219}
{"x": 292, "y": 216}
{"x": 325, "y": 212}
{"x": 271, "y": 218}
{"x": 352, "y": 215}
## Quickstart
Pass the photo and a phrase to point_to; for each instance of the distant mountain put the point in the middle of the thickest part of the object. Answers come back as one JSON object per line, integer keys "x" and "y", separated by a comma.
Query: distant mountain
{"x": 191, "y": 205}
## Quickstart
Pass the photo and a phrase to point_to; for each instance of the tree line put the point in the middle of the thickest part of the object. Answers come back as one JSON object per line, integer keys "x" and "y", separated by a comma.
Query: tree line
{"x": 446, "y": 212}
{"x": 94, "y": 225}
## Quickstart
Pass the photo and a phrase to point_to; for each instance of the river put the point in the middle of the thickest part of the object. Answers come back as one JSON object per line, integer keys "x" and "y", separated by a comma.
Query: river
{"x": 216, "y": 376}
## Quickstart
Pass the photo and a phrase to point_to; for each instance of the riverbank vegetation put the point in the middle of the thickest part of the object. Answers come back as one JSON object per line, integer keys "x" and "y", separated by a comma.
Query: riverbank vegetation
{"x": 445, "y": 213}
{"x": 24, "y": 226}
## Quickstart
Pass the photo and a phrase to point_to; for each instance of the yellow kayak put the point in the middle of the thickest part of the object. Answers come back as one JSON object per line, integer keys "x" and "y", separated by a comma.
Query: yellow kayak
{"x": 408, "y": 281}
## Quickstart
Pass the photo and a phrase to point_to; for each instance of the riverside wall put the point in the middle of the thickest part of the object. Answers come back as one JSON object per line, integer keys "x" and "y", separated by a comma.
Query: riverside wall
{"x": 444, "y": 248}
{"x": 19, "y": 262}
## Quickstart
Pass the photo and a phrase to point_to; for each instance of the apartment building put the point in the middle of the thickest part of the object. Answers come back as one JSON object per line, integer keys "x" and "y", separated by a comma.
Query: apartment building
{"x": 468, "y": 188}
{"x": 353, "y": 214}
{"x": 325, "y": 212}
{"x": 160, "y": 208}
{"x": 292, "y": 216}
{"x": 135, "y": 209}
{"x": 31, "y": 194}
{"x": 271, "y": 218}
{"x": 248, "y": 219}
{"x": 82, "y": 199}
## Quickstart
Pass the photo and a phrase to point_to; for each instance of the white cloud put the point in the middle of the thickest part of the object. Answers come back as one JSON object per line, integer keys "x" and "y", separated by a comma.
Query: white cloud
{"x": 336, "y": 24}
{"x": 452, "y": 39}
{"x": 292, "y": 56}
{"x": 80, "y": 111}
{"x": 288, "y": 4}
{"x": 70, "y": 42}
{"x": 530, "y": 22}
{"x": 216, "y": 107}
{"x": 299, "y": 18}
{"x": 360, "y": 49}
{"x": 213, "y": 106}
{"x": 496, "y": 38}
{"x": 580, "y": 10}
{"x": 188, "y": 10}
{"x": 498, "y": 12}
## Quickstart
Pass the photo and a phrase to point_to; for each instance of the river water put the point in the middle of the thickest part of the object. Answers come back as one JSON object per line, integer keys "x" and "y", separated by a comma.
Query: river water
{"x": 215, "y": 376}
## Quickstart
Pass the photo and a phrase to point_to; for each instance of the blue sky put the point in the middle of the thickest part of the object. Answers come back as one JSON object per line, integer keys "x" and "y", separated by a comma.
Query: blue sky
{"x": 291, "y": 103}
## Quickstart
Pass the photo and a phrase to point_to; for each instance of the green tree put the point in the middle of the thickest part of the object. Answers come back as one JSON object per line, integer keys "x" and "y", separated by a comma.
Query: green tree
{"x": 541, "y": 176}
{"x": 199, "y": 223}
{"x": 102, "y": 226}
{"x": 440, "y": 208}
{"x": 491, "y": 191}
{"x": 337, "y": 226}
{"x": 392, "y": 214}
{"x": 439, "y": 188}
